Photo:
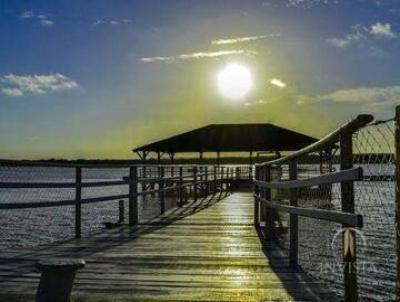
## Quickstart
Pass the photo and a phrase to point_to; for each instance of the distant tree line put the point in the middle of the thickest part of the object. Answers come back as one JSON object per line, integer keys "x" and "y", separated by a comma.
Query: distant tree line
{"x": 378, "y": 158}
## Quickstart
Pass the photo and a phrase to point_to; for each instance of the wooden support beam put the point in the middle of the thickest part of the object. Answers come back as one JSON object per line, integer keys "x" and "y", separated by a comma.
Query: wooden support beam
{"x": 78, "y": 200}
{"x": 206, "y": 185}
{"x": 215, "y": 178}
{"x": 269, "y": 231}
{"x": 139, "y": 154}
{"x": 293, "y": 222}
{"x": 181, "y": 189}
{"x": 397, "y": 146}
{"x": 162, "y": 193}
{"x": 195, "y": 183}
{"x": 256, "y": 191}
{"x": 349, "y": 235}
{"x": 172, "y": 157}
{"x": 133, "y": 196}
{"x": 251, "y": 165}
{"x": 158, "y": 158}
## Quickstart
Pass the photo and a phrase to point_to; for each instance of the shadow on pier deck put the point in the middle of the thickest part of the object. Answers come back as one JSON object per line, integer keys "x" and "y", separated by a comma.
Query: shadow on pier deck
{"x": 208, "y": 250}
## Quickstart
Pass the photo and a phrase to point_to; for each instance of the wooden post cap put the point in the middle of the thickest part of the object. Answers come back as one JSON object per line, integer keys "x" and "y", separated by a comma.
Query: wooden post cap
{"x": 60, "y": 264}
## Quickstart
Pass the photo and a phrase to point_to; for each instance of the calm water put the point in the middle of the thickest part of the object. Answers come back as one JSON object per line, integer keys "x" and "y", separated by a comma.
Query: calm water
{"x": 30, "y": 227}
{"x": 320, "y": 251}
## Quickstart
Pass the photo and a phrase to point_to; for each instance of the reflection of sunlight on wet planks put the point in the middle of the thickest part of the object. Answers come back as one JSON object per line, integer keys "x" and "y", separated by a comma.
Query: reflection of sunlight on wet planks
{"x": 207, "y": 250}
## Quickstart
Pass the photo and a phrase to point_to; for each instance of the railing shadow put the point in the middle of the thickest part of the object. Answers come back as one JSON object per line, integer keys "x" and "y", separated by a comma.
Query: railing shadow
{"x": 16, "y": 263}
{"x": 302, "y": 286}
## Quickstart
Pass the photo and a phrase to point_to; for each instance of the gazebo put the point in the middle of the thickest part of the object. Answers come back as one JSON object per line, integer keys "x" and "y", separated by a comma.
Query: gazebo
{"x": 228, "y": 138}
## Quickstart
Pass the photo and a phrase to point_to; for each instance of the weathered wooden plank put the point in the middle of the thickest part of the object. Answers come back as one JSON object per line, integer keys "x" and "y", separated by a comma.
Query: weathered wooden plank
{"x": 205, "y": 250}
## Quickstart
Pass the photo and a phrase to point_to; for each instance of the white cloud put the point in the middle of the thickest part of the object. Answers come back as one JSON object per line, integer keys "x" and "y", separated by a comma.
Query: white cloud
{"x": 306, "y": 4}
{"x": 242, "y": 39}
{"x": 278, "y": 83}
{"x": 43, "y": 19}
{"x": 46, "y": 23}
{"x": 27, "y": 14}
{"x": 12, "y": 91}
{"x": 99, "y": 22}
{"x": 197, "y": 55}
{"x": 376, "y": 95}
{"x": 382, "y": 30}
{"x": 378, "y": 100}
{"x": 20, "y": 85}
{"x": 111, "y": 22}
{"x": 359, "y": 33}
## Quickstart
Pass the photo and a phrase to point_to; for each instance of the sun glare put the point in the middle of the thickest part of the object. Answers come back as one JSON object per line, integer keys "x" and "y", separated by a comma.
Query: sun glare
{"x": 234, "y": 81}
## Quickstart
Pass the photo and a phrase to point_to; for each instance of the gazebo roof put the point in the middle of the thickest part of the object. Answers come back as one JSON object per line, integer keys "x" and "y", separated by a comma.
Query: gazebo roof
{"x": 231, "y": 138}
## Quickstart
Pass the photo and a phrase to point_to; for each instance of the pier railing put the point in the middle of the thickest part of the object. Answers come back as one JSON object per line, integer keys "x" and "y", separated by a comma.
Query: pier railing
{"x": 334, "y": 207}
{"x": 308, "y": 183}
{"x": 89, "y": 184}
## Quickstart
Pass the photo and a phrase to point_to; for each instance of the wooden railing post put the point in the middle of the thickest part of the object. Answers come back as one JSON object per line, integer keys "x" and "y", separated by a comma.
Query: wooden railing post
{"x": 206, "y": 184}
{"x": 200, "y": 179}
{"x": 262, "y": 209}
{"x": 133, "y": 197}
{"x": 144, "y": 175}
{"x": 293, "y": 223}
{"x": 269, "y": 231}
{"x": 256, "y": 201}
{"x": 222, "y": 178}
{"x": 78, "y": 199}
{"x": 195, "y": 183}
{"x": 121, "y": 211}
{"x": 230, "y": 178}
{"x": 161, "y": 194}
{"x": 181, "y": 190}
{"x": 349, "y": 236}
{"x": 237, "y": 173}
{"x": 215, "y": 181}
{"x": 397, "y": 161}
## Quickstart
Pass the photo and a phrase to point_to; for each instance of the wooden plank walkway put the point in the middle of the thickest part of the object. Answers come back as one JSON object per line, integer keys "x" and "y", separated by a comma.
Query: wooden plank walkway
{"x": 207, "y": 251}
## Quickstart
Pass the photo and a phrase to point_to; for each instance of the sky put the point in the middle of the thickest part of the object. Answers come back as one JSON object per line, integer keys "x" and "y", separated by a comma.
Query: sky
{"x": 93, "y": 79}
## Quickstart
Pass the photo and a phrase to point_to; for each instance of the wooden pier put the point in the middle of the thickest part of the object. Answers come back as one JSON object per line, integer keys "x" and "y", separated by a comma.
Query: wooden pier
{"x": 221, "y": 237}
{"x": 206, "y": 250}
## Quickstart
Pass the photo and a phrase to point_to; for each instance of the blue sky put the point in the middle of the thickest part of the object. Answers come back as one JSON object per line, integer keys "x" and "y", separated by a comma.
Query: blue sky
{"x": 96, "y": 78}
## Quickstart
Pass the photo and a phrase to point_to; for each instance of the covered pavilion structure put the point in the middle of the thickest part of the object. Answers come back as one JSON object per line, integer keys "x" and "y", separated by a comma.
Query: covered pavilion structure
{"x": 218, "y": 138}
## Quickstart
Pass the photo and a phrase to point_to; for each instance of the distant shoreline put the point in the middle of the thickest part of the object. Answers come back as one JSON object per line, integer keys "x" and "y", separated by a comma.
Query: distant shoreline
{"x": 359, "y": 158}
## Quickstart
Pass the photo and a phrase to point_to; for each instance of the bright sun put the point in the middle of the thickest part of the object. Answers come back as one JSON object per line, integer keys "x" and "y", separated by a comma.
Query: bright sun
{"x": 234, "y": 81}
